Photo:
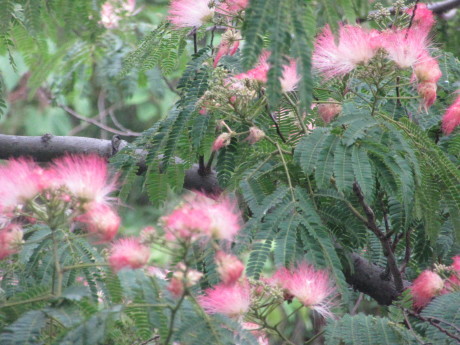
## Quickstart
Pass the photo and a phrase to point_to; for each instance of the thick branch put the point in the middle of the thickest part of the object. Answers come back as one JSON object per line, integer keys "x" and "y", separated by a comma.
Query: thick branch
{"x": 45, "y": 148}
{"x": 384, "y": 240}
{"x": 366, "y": 277}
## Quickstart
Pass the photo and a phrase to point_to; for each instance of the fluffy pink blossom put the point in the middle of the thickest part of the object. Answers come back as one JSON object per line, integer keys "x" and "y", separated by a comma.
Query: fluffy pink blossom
{"x": 86, "y": 177}
{"x": 257, "y": 332}
{"x": 231, "y": 300}
{"x": 228, "y": 46}
{"x": 311, "y": 287}
{"x": 355, "y": 46}
{"x": 225, "y": 219}
{"x": 233, "y": 6}
{"x": 128, "y": 253}
{"x": 129, "y": 5}
{"x": 255, "y": 135}
{"x": 189, "y": 222}
{"x": 180, "y": 280}
{"x": 20, "y": 180}
{"x": 109, "y": 17}
{"x": 423, "y": 18}
{"x": 222, "y": 140}
{"x": 427, "y": 285}
{"x": 290, "y": 78}
{"x": 230, "y": 268}
{"x": 201, "y": 216}
{"x": 427, "y": 92}
{"x": 10, "y": 240}
{"x": 405, "y": 47}
{"x": 101, "y": 221}
{"x": 455, "y": 277}
{"x": 190, "y": 13}
{"x": 451, "y": 118}
{"x": 426, "y": 69}
{"x": 328, "y": 111}
{"x": 260, "y": 71}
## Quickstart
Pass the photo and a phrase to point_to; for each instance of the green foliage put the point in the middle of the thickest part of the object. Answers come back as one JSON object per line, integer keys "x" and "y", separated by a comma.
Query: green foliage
{"x": 367, "y": 330}
{"x": 443, "y": 311}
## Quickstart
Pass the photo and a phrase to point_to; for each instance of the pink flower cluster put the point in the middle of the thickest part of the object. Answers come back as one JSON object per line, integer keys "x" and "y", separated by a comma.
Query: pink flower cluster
{"x": 289, "y": 79}
{"x": 112, "y": 12}
{"x": 128, "y": 253}
{"x": 195, "y": 13}
{"x": 232, "y": 297}
{"x": 202, "y": 217}
{"x": 451, "y": 118}
{"x": 311, "y": 287}
{"x": 429, "y": 285}
{"x": 81, "y": 184}
{"x": 407, "y": 48}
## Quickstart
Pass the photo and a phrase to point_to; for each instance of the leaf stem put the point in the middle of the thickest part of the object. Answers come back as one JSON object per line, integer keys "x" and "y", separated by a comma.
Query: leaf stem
{"x": 287, "y": 172}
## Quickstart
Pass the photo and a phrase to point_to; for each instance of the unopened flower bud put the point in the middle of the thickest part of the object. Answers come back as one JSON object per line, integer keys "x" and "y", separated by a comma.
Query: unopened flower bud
{"x": 230, "y": 268}
{"x": 427, "y": 91}
{"x": 10, "y": 240}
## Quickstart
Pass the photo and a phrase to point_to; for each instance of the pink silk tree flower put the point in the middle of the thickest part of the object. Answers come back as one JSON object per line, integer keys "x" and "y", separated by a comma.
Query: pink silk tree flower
{"x": 290, "y": 78}
{"x": 222, "y": 140}
{"x": 355, "y": 46}
{"x": 427, "y": 91}
{"x": 329, "y": 111}
{"x": 313, "y": 288}
{"x": 231, "y": 300}
{"x": 182, "y": 278}
{"x": 228, "y": 46}
{"x": 101, "y": 221}
{"x": 187, "y": 223}
{"x": 451, "y": 118}
{"x": 109, "y": 17}
{"x": 260, "y": 71}
{"x": 233, "y": 6}
{"x": 225, "y": 219}
{"x": 85, "y": 176}
{"x": 257, "y": 332}
{"x": 190, "y": 13}
{"x": 230, "y": 268}
{"x": 255, "y": 135}
{"x": 426, "y": 69}
{"x": 128, "y": 253}
{"x": 405, "y": 47}
{"x": 455, "y": 277}
{"x": 10, "y": 240}
{"x": 427, "y": 285}
{"x": 423, "y": 18}
{"x": 20, "y": 180}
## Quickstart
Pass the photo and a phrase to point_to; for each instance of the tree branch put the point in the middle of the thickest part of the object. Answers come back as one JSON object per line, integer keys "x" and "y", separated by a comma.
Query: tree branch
{"x": 366, "y": 277}
{"x": 435, "y": 323}
{"x": 47, "y": 147}
{"x": 372, "y": 225}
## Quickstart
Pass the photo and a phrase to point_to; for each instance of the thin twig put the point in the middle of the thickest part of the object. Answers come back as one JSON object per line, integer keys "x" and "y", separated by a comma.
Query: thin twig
{"x": 287, "y": 172}
{"x": 411, "y": 329}
{"x": 357, "y": 304}
{"x": 98, "y": 124}
{"x": 372, "y": 225}
{"x": 432, "y": 322}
